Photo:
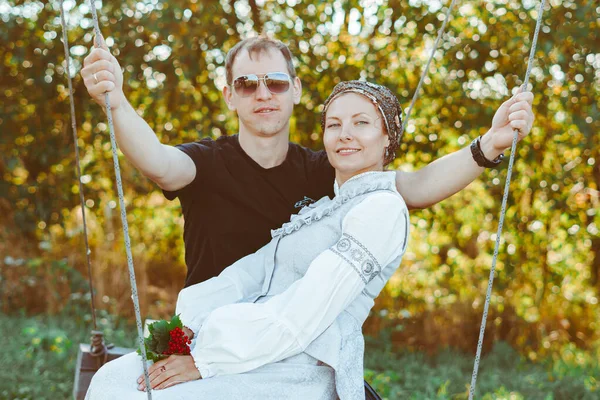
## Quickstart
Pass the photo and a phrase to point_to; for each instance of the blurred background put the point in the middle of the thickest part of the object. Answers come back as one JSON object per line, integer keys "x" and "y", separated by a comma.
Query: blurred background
{"x": 543, "y": 332}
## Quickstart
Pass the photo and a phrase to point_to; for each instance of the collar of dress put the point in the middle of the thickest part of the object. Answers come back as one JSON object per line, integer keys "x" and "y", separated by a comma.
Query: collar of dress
{"x": 361, "y": 179}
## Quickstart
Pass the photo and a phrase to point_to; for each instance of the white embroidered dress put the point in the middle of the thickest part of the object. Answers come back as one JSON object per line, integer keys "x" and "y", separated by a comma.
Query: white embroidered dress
{"x": 285, "y": 322}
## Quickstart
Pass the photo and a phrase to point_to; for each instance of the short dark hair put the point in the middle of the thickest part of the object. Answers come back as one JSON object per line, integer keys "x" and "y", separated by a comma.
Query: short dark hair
{"x": 257, "y": 45}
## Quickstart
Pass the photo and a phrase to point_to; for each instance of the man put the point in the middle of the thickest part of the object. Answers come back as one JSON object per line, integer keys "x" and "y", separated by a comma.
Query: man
{"x": 235, "y": 189}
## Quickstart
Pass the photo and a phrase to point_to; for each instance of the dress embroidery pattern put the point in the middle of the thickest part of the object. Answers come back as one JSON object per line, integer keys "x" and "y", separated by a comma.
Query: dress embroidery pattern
{"x": 358, "y": 256}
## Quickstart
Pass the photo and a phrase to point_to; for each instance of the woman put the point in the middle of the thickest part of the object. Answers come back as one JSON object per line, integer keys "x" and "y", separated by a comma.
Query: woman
{"x": 285, "y": 322}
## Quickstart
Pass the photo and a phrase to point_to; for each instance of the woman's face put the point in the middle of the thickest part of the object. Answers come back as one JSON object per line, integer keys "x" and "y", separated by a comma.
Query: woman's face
{"x": 354, "y": 136}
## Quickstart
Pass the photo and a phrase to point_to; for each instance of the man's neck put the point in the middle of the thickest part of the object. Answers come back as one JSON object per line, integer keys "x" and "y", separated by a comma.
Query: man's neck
{"x": 266, "y": 151}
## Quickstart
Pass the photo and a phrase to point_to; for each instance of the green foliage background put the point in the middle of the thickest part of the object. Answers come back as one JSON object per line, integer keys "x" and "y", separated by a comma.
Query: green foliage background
{"x": 547, "y": 285}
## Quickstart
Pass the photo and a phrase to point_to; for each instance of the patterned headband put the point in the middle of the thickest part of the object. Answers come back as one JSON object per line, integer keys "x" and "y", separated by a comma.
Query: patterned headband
{"x": 385, "y": 101}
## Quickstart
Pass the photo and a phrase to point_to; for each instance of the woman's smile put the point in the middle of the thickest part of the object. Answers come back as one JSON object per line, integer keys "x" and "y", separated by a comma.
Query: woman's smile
{"x": 347, "y": 151}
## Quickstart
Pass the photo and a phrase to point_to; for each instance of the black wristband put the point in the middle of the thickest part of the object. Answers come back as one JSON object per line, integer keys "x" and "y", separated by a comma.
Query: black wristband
{"x": 480, "y": 158}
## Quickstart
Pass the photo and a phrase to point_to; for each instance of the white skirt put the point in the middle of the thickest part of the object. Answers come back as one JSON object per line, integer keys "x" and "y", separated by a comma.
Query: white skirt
{"x": 299, "y": 377}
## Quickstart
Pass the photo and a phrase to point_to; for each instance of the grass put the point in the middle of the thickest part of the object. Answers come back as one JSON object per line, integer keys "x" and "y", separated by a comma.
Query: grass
{"x": 40, "y": 353}
{"x": 39, "y": 356}
{"x": 503, "y": 374}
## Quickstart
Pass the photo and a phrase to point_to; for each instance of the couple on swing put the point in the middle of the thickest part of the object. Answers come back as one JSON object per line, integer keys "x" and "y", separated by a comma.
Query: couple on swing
{"x": 274, "y": 304}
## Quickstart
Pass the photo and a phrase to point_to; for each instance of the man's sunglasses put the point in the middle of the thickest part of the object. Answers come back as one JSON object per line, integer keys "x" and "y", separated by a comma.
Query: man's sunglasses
{"x": 276, "y": 82}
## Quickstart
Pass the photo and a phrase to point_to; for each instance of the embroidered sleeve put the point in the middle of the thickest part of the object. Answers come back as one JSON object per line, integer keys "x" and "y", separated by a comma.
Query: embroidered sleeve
{"x": 374, "y": 233}
{"x": 358, "y": 256}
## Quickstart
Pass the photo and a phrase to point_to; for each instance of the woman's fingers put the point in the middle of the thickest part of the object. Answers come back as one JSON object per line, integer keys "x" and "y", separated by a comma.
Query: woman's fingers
{"x": 165, "y": 377}
{"x": 172, "y": 371}
{"x": 103, "y": 87}
{"x": 522, "y": 111}
{"x": 156, "y": 377}
{"x": 159, "y": 372}
{"x": 188, "y": 332}
{"x": 174, "y": 380}
{"x": 152, "y": 370}
{"x": 524, "y": 96}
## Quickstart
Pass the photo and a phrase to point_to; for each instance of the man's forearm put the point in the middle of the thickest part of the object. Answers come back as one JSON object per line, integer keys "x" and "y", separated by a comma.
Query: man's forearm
{"x": 443, "y": 177}
{"x": 139, "y": 143}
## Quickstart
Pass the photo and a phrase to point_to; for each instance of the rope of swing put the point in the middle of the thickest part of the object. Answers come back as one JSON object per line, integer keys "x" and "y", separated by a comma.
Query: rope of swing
{"x": 98, "y": 348}
{"x": 78, "y": 165}
{"x": 134, "y": 294}
{"x": 113, "y": 143}
{"x": 426, "y": 69}
{"x": 503, "y": 209}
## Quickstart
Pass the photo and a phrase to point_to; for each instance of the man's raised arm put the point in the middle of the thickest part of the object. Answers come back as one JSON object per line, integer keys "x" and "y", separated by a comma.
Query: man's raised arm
{"x": 168, "y": 167}
{"x": 450, "y": 174}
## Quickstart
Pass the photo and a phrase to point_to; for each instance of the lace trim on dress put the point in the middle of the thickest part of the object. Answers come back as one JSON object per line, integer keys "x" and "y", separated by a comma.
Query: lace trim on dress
{"x": 356, "y": 186}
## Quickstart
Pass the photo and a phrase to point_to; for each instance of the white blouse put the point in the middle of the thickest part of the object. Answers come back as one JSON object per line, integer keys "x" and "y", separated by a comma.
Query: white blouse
{"x": 236, "y": 338}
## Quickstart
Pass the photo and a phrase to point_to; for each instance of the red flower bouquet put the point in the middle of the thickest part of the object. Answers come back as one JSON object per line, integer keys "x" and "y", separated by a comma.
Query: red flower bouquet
{"x": 166, "y": 338}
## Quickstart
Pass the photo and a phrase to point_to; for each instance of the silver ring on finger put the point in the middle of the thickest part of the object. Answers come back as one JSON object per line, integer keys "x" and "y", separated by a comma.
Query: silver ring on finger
{"x": 95, "y": 78}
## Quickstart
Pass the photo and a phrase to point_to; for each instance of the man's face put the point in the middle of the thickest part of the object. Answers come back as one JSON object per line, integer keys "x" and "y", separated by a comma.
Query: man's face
{"x": 262, "y": 113}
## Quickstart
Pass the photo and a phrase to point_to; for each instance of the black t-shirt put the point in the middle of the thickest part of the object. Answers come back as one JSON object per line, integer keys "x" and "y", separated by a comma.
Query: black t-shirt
{"x": 233, "y": 203}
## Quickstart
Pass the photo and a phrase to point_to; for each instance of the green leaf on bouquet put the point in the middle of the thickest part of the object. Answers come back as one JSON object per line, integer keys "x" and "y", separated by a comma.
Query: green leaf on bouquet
{"x": 176, "y": 322}
{"x": 160, "y": 328}
{"x": 158, "y": 340}
{"x": 162, "y": 345}
{"x": 150, "y": 343}
{"x": 152, "y": 356}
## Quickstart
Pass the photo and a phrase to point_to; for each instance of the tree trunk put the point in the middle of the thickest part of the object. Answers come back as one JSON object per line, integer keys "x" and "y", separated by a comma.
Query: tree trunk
{"x": 255, "y": 12}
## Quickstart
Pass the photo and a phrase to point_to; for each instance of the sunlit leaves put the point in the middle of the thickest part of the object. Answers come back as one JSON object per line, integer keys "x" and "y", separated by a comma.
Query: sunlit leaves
{"x": 173, "y": 55}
